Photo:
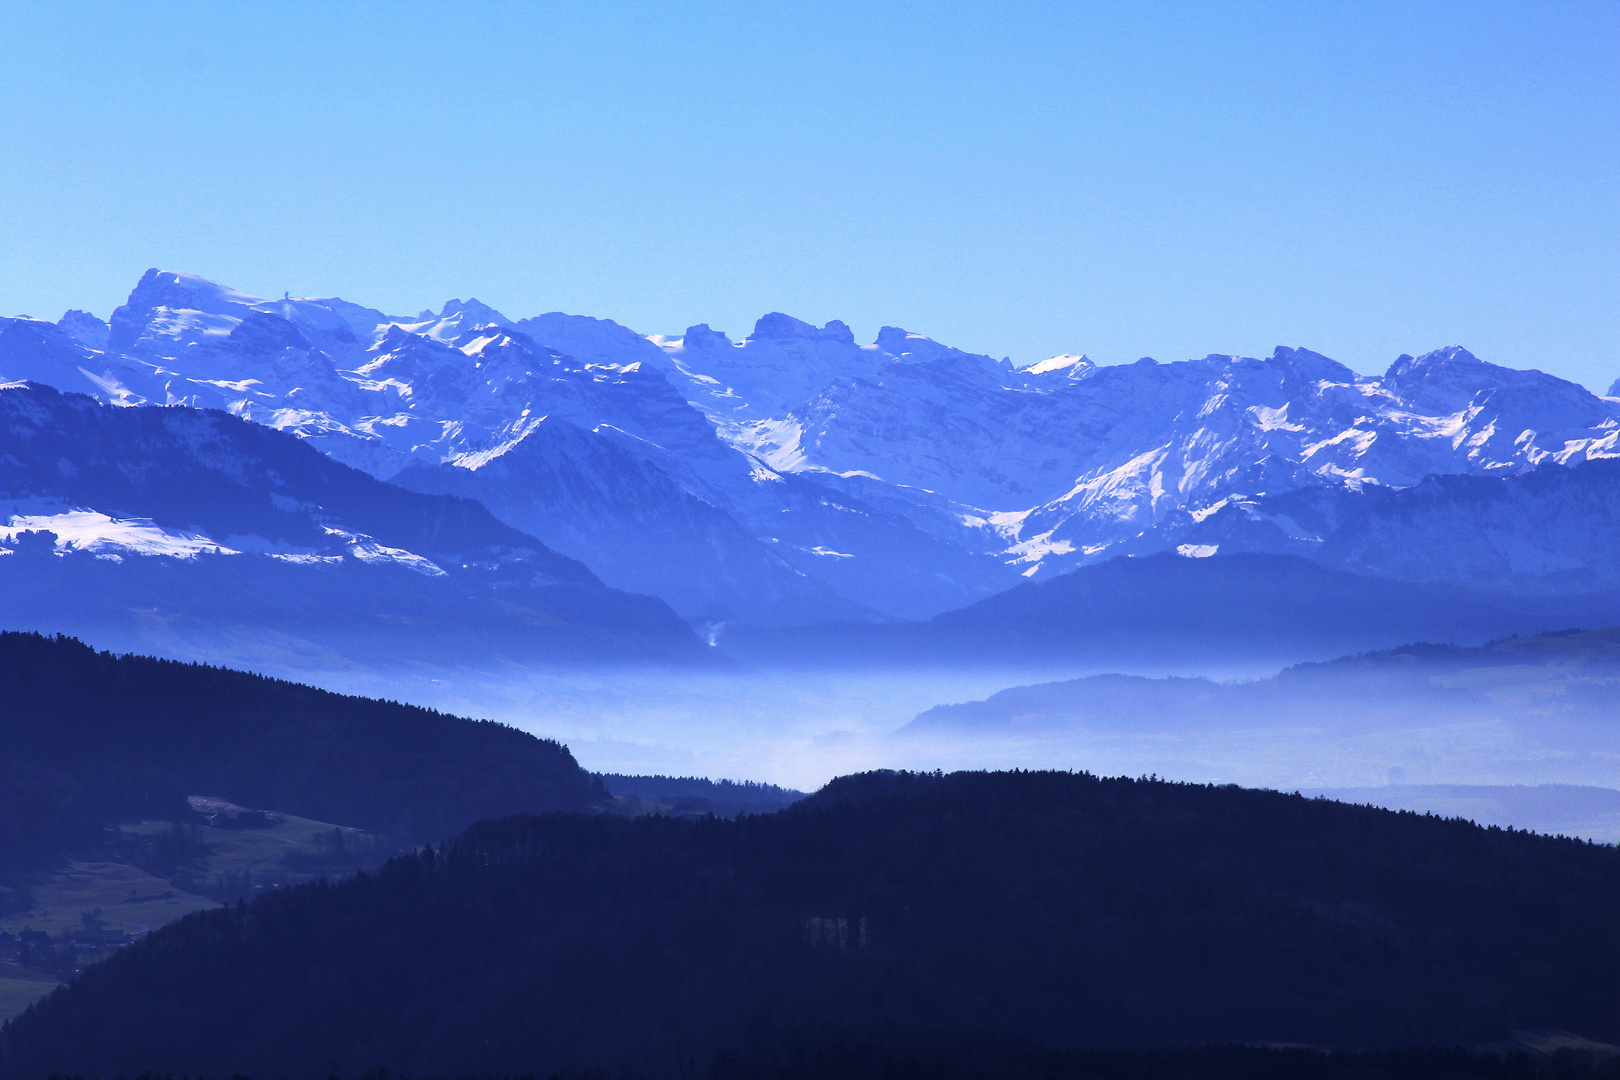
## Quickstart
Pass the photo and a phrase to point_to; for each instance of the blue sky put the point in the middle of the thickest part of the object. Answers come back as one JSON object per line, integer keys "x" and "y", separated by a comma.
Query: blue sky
{"x": 1025, "y": 179}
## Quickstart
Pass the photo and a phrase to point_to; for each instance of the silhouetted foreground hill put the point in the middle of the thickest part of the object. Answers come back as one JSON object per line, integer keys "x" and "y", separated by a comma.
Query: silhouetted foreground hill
{"x": 944, "y": 1055}
{"x": 88, "y": 738}
{"x": 1056, "y": 907}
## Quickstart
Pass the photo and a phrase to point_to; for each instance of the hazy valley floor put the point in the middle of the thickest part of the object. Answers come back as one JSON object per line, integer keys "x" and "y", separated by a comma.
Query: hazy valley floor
{"x": 799, "y": 728}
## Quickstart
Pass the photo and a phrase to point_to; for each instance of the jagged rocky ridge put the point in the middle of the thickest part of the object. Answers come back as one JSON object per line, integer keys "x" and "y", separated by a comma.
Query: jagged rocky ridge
{"x": 797, "y": 476}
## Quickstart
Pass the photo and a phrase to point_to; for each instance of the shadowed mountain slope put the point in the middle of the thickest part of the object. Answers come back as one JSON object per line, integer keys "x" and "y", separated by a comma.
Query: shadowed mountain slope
{"x": 1552, "y": 529}
{"x": 587, "y": 495}
{"x": 1163, "y": 609}
{"x": 119, "y": 519}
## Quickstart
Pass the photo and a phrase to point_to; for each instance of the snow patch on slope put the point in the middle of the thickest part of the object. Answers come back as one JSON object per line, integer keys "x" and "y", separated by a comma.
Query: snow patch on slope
{"x": 81, "y": 529}
{"x": 367, "y": 550}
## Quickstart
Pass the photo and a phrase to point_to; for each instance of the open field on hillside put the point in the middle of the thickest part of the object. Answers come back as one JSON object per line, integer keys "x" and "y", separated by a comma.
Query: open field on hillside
{"x": 129, "y": 898}
{"x": 20, "y": 987}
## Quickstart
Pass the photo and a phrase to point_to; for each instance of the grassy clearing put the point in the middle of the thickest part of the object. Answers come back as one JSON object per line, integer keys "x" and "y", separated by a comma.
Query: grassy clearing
{"x": 289, "y": 851}
{"x": 91, "y": 909}
{"x": 133, "y": 901}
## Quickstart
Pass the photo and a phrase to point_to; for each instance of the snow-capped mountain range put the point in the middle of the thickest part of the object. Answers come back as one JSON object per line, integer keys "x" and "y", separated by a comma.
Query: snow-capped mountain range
{"x": 797, "y": 475}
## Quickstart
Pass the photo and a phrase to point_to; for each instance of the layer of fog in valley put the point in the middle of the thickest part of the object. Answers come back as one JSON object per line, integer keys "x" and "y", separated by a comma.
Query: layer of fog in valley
{"x": 1460, "y": 732}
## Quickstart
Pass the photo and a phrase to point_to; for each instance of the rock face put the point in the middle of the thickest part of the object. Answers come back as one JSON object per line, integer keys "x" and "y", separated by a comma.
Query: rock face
{"x": 796, "y": 475}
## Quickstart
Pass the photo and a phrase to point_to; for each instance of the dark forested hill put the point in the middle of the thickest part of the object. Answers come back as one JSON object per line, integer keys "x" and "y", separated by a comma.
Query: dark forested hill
{"x": 1051, "y": 906}
{"x": 88, "y": 738}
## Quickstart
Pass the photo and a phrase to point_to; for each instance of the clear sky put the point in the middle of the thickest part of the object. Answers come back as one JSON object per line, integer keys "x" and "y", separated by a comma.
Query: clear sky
{"x": 1027, "y": 179}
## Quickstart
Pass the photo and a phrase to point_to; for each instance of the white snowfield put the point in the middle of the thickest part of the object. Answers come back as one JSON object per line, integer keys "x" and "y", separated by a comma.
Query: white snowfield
{"x": 908, "y": 442}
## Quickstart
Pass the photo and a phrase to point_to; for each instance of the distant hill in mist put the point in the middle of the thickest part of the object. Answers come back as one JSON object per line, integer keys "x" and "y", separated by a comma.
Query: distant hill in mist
{"x": 1559, "y": 676}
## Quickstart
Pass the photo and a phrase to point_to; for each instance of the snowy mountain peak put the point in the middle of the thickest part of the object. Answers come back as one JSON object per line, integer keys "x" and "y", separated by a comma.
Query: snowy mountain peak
{"x": 167, "y": 309}
{"x": 1313, "y": 365}
{"x": 1450, "y": 380}
{"x": 33, "y": 349}
{"x": 779, "y": 327}
{"x": 593, "y": 341}
{"x": 455, "y": 319}
{"x": 472, "y": 312}
{"x": 394, "y": 337}
{"x": 897, "y": 340}
{"x": 1303, "y": 366}
{"x": 84, "y": 328}
{"x": 908, "y": 347}
{"x": 159, "y": 288}
{"x": 1449, "y": 358}
{"x": 1614, "y": 389}
{"x": 701, "y": 337}
{"x": 1074, "y": 366}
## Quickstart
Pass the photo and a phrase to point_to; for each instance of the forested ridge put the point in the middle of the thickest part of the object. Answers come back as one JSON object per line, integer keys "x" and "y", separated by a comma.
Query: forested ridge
{"x": 1061, "y": 908}
{"x": 89, "y": 738}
